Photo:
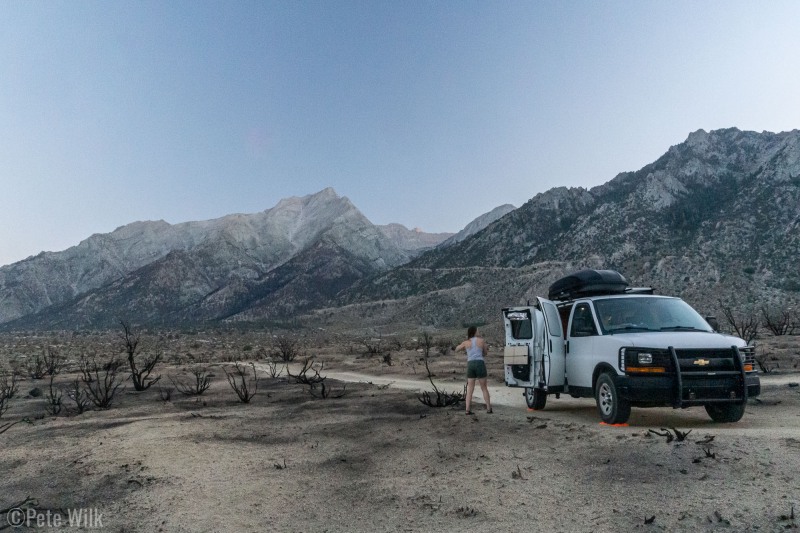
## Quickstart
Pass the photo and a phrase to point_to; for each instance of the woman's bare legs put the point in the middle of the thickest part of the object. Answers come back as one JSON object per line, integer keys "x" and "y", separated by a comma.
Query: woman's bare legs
{"x": 470, "y": 389}
{"x": 485, "y": 390}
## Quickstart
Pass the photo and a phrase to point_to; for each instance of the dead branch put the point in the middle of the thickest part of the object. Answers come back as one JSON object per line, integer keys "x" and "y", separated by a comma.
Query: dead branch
{"x": 202, "y": 380}
{"x": 442, "y": 398}
{"x": 53, "y": 361}
{"x": 327, "y": 391}
{"x": 165, "y": 394}
{"x": 79, "y": 396}
{"x": 244, "y": 388}
{"x": 53, "y": 398}
{"x": 286, "y": 348}
{"x": 666, "y": 433}
{"x": 102, "y": 381}
{"x": 36, "y": 367}
{"x": 8, "y": 425}
{"x": 680, "y": 436}
{"x": 274, "y": 371}
{"x": 27, "y": 503}
{"x": 303, "y": 376}
{"x": 139, "y": 376}
{"x": 778, "y": 323}
{"x": 745, "y": 324}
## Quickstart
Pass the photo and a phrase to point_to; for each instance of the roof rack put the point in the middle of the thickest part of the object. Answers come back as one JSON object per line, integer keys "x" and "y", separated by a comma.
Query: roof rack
{"x": 639, "y": 290}
{"x": 588, "y": 283}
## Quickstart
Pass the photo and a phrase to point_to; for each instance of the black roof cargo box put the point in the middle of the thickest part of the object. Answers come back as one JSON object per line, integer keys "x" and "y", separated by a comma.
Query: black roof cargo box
{"x": 588, "y": 283}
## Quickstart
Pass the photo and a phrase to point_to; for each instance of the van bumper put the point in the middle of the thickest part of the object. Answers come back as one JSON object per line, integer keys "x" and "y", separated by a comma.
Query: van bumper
{"x": 663, "y": 390}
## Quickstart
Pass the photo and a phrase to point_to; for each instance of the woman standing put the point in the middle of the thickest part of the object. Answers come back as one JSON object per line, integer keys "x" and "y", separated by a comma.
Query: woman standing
{"x": 476, "y": 367}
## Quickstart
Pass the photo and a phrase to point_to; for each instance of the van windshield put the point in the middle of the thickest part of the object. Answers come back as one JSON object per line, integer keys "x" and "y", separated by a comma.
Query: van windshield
{"x": 621, "y": 315}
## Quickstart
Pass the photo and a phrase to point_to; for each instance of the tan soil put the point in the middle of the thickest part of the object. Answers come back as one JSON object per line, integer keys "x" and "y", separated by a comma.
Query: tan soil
{"x": 379, "y": 460}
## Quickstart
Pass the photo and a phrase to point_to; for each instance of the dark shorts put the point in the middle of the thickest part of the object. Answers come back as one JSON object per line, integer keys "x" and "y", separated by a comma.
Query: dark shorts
{"x": 476, "y": 369}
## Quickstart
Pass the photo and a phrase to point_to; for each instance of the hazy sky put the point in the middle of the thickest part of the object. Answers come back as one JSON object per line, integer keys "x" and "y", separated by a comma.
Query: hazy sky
{"x": 427, "y": 113}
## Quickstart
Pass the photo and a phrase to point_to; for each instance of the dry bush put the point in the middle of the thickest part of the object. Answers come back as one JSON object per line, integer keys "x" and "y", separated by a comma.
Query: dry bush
{"x": 327, "y": 391}
{"x": 36, "y": 367}
{"x": 744, "y": 323}
{"x": 425, "y": 342}
{"x": 53, "y": 361}
{"x": 202, "y": 380}
{"x": 102, "y": 381}
{"x": 8, "y": 425}
{"x": 244, "y": 387}
{"x": 139, "y": 376}
{"x": 387, "y": 358}
{"x": 165, "y": 394}
{"x": 5, "y": 395}
{"x": 9, "y": 384}
{"x": 440, "y": 398}
{"x": 764, "y": 360}
{"x": 274, "y": 370}
{"x": 781, "y": 322}
{"x": 304, "y": 378}
{"x": 443, "y": 346}
{"x": 53, "y": 397}
{"x": 79, "y": 396}
{"x": 371, "y": 346}
{"x": 286, "y": 347}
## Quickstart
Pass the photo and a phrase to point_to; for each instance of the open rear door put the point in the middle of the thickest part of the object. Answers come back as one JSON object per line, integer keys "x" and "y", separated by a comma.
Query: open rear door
{"x": 522, "y": 324}
{"x": 553, "y": 349}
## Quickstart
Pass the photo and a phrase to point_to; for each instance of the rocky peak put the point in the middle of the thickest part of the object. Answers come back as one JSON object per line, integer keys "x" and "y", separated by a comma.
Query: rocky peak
{"x": 479, "y": 223}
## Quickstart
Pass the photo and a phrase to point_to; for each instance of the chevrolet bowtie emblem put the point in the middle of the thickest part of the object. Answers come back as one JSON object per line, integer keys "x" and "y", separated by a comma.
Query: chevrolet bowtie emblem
{"x": 702, "y": 362}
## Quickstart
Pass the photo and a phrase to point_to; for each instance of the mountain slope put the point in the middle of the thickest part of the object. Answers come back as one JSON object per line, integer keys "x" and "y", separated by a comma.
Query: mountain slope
{"x": 156, "y": 271}
{"x": 717, "y": 216}
{"x": 479, "y": 223}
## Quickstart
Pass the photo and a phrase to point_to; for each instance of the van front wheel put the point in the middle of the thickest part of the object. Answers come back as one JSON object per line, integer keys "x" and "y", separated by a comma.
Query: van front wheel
{"x": 729, "y": 412}
{"x": 612, "y": 407}
{"x": 535, "y": 398}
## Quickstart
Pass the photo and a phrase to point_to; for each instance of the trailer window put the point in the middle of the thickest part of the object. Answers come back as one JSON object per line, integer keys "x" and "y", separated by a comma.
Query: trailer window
{"x": 520, "y": 322}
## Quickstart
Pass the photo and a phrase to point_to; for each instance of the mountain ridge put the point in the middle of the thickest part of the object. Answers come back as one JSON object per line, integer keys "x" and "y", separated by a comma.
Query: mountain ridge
{"x": 715, "y": 217}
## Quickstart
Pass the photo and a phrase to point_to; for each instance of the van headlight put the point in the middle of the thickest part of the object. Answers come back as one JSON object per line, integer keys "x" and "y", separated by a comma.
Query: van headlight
{"x": 643, "y": 361}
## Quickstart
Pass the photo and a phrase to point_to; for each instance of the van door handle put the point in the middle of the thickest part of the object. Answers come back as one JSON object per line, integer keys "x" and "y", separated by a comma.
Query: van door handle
{"x": 567, "y": 345}
{"x": 551, "y": 345}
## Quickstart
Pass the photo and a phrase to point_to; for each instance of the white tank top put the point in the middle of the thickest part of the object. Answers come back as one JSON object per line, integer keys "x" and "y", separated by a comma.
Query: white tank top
{"x": 474, "y": 352}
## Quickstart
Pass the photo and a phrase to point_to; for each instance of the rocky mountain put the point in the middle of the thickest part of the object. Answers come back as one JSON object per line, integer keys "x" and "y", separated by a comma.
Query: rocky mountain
{"x": 717, "y": 217}
{"x": 413, "y": 241}
{"x": 479, "y": 223}
{"x": 307, "y": 247}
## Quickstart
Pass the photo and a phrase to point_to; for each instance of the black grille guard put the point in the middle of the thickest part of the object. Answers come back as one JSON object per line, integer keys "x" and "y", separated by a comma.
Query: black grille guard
{"x": 680, "y": 402}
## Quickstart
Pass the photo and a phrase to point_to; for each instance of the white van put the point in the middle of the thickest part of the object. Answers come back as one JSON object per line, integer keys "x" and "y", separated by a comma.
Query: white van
{"x": 596, "y": 337}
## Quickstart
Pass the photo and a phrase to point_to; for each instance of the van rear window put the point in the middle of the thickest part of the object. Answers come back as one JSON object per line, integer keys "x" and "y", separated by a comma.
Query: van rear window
{"x": 520, "y": 324}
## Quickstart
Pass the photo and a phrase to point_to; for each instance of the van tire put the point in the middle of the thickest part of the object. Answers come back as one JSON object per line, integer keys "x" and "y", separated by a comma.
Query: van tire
{"x": 535, "y": 398}
{"x": 613, "y": 409}
{"x": 729, "y": 412}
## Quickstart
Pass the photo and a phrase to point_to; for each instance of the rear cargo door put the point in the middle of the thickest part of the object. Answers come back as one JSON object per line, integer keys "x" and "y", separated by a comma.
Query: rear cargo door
{"x": 521, "y": 330}
{"x": 553, "y": 349}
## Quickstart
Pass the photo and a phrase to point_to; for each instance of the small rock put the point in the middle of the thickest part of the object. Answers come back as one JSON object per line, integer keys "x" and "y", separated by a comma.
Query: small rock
{"x": 35, "y": 392}
{"x": 794, "y": 384}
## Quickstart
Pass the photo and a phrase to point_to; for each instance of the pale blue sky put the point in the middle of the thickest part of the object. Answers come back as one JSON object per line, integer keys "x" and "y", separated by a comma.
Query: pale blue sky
{"x": 423, "y": 113}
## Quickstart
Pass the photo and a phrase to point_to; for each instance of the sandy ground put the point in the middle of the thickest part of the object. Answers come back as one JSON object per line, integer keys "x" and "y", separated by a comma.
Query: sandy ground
{"x": 377, "y": 459}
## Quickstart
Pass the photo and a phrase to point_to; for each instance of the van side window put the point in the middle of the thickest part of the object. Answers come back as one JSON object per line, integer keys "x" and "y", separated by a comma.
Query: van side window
{"x": 582, "y": 321}
{"x": 553, "y": 320}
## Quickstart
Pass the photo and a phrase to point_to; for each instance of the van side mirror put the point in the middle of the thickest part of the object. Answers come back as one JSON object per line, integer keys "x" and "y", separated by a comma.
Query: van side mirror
{"x": 713, "y": 322}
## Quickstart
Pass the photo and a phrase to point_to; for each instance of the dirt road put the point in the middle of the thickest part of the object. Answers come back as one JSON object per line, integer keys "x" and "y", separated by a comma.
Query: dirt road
{"x": 784, "y": 423}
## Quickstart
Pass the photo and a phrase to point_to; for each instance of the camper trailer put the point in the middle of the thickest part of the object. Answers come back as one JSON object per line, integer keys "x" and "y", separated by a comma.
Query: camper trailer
{"x": 596, "y": 337}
